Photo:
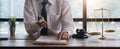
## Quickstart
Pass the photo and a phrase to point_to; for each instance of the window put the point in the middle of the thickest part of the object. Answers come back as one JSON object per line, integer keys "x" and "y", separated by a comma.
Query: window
{"x": 76, "y": 8}
{"x": 11, "y": 8}
{"x": 4, "y": 8}
{"x": 112, "y": 5}
{"x": 20, "y": 29}
{"x": 16, "y": 7}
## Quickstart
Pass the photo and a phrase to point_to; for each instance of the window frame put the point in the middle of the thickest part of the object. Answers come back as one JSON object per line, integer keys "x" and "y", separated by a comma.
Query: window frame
{"x": 84, "y": 19}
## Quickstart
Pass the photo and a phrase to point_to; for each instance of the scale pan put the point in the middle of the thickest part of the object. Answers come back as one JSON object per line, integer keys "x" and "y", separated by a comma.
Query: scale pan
{"x": 94, "y": 33}
{"x": 109, "y": 31}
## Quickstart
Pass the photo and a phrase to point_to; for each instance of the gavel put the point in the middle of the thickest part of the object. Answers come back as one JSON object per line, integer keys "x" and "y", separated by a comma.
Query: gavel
{"x": 81, "y": 34}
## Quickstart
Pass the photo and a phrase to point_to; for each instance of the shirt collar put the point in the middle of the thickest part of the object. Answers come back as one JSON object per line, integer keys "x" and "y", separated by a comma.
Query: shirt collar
{"x": 51, "y": 2}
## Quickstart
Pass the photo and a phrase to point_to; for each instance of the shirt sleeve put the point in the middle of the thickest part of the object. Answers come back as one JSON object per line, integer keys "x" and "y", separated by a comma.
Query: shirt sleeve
{"x": 66, "y": 17}
{"x": 29, "y": 18}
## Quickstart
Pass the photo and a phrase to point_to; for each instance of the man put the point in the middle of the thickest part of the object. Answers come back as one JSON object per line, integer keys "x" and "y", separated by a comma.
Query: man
{"x": 58, "y": 18}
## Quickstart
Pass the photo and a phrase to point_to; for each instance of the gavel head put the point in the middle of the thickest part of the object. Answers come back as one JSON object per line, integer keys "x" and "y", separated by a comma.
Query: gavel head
{"x": 80, "y": 32}
{"x": 77, "y": 31}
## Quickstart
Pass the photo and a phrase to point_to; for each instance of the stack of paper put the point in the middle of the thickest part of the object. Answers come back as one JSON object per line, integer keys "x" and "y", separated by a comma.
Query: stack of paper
{"x": 49, "y": 40}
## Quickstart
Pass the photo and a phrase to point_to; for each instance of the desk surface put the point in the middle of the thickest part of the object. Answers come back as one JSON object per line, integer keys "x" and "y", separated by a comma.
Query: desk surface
{"x": 92, "y": 41}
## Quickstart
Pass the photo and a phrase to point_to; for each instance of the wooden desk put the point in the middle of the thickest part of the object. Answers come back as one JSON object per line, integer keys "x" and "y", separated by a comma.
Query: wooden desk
{"x": 26, "y": 41}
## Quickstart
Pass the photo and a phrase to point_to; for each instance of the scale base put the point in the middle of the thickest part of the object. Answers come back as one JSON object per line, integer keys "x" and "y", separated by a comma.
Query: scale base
{"x": 102, "y": 38}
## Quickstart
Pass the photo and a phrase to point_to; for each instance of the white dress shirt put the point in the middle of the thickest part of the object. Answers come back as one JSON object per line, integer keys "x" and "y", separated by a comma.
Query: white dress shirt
{"x": 59, "y": 18}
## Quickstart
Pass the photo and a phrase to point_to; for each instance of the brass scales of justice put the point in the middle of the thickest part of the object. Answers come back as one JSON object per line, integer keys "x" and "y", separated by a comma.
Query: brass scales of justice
{"x": 107, "y": 30}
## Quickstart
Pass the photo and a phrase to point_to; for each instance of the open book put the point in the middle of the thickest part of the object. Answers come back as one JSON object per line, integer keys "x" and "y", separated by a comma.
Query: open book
{"x": 49, "y": 40}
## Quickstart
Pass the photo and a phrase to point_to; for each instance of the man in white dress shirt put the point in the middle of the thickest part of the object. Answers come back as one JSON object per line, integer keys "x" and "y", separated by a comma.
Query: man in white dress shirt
{"x": 59, "y": 18}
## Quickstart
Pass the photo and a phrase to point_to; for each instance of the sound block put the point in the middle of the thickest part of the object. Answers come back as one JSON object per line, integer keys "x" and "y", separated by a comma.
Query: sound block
{"x": 79, "y": 37}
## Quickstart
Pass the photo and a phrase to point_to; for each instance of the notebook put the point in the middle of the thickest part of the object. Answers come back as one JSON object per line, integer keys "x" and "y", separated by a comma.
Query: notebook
{"x": 49, "y": 40}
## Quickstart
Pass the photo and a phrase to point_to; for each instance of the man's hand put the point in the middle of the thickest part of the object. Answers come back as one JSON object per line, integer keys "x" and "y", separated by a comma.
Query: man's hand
{"x": 63, "y": 36}
{"x": 42, "y": 22}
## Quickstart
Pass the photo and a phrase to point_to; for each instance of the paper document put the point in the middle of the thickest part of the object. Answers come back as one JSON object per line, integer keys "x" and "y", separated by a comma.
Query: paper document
{"x": 49, "y": 40}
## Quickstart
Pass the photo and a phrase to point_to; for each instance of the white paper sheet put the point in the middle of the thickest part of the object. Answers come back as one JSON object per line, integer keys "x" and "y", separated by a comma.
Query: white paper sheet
{"x": 49, "y": 40}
